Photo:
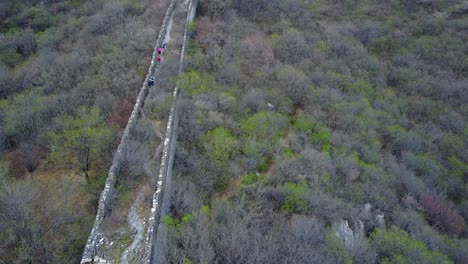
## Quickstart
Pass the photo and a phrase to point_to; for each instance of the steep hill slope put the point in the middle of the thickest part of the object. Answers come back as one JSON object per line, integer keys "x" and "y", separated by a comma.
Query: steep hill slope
{"x": 322, "y": 132}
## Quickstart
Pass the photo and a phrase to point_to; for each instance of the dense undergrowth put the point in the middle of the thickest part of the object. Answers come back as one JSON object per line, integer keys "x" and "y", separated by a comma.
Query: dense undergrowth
{"x": 69, "y": 74}
{"x": 295, "y": 114}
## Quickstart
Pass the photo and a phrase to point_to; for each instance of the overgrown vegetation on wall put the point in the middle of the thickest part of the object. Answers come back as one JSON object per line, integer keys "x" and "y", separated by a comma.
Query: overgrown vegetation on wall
{"x": 295, "y": 114}
{"x": 69, "y": 74}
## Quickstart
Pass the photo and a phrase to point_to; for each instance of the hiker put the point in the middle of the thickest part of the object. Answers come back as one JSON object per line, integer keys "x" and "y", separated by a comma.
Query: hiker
{"x": 160, "y": 51}
{"x": 159, "y": 58}
{"x": 164, "y": 45}
{"x": 151, "y": 81}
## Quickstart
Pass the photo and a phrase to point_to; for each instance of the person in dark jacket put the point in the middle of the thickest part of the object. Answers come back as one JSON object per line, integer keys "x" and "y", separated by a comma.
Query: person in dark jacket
{"x": 151, "y": 81}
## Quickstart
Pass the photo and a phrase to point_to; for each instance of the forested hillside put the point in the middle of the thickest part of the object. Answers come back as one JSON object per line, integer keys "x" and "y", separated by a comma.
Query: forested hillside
{"x": 69, "y": 75}
{"x": 322, "y": 132}
{"x": 310, "y": 131}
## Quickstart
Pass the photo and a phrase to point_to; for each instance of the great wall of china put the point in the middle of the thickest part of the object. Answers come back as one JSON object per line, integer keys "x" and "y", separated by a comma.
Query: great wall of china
{"x": 92, "y": 251}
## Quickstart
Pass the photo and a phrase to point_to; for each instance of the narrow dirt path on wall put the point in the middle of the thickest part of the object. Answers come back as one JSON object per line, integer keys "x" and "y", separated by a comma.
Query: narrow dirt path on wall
{"x": 111, "y": 237}
{"x": 136, "y": 222}
{"x": 161, "y": 198}
{"x": 133, "y": 218}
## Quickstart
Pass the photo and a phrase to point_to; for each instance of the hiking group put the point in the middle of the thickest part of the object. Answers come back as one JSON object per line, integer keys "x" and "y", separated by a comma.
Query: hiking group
{"x": 160, "y": 51}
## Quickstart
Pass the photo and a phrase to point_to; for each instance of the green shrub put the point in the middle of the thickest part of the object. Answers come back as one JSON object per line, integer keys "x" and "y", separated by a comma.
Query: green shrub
{"x": 81, "y": 139}
{"x": 249, "y": 179}
{"x": 196, "y": 82}
{"x": 170, "y": 222}
{"x": 192, "y": 26}
{"x": 10, "y": 57}
{"x": 323, "y": 46}
{"x": 38, "y": 18}
{"x": 318, "y": 132}
{"x": 321, "y": 135}
{"x": 162, "y": 109}
{"x": 222, "y": 182}
{"x": 206, "y": 210}
{"x": 396, "y": 246}
{"x": 295, "y": 200}
{"x": 27, "y": 113}
{"x": 336, "y": 250}
{"x": 362, "y": 86}
{"x": 133, "y": 8}
{"x": 459, "y": 167}
{"x": 288, "y": 153}
{"x": 220, "y": 145}
{"x": 263, "y": 166}
{"x": 175, "y": 225}
{"x": 304, "y": 124}
{"x": 265, "y": 126}
{"x": 254, "y": 149}
{"x": 141, "y": 71}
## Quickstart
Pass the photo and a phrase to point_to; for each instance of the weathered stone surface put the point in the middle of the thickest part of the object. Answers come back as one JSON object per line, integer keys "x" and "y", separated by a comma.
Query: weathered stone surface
{"x": 160, "y": 205}
{"x": 344, "y": 233}
{"x": 96, "y": 239}
{"x": 349, "y": 236}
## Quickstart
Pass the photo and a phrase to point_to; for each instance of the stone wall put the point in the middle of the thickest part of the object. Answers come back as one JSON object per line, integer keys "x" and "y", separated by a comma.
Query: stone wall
{"x": 105, "y": 201}
{"x": 160, "y": 205}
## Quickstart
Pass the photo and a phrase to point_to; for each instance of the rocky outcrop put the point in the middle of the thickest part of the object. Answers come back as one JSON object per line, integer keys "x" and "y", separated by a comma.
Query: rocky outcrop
{"x": 349, "y": 235}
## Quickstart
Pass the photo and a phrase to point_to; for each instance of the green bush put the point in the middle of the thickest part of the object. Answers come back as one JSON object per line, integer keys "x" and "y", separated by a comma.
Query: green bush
{"x": 38, "y": 18}
{"x": 262, "y": 132}
{"x": 459, "y": 167}
{"x": 265, "y": 126}
{"x": 81, "y": 139}
{"x": 304, "y": 124}
{"x": 222, "y": 182}
{"x": 27, "y": 113}
{"x": 362, "y": 86}
{"x": 206, "y": 210}
{"x": 295, "y": 200}
{"x": 52, "y": 37}
{"x": 249, "y": 179}
{"x": 396, "y": 246}
{"x": 175, "y": 225}
{"x": 141, "y": 71}
{"x": 220, "y": 145}
{"x": 162, "y": 109}
{"x": 323, "y": 46}
{"x": 133, "y": 8}
{"x": 318, "y": 132}
{"x": 9, "y": 56}
{"x": 196, "y": 82}
{"x": 336, "y": 251}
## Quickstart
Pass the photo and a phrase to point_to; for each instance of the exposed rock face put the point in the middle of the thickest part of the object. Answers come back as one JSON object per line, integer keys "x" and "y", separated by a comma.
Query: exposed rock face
{"x": 271, "y": 107}
{"x": 349, "y": 236}
{"x": 344, "y": 233}
{"x": 375, "y": 216}
{"x": 380, "y": 219}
